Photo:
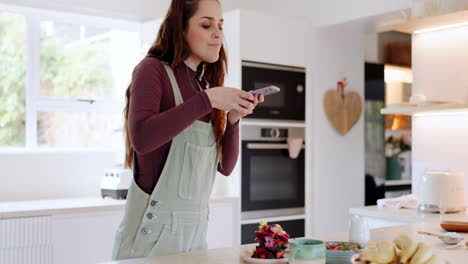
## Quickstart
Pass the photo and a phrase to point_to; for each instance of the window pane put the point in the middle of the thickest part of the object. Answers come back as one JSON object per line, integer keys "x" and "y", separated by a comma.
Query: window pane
{"x": 76, "y": 129}
{"x": 75, "y": 60}
{"x": 12, "y": 79}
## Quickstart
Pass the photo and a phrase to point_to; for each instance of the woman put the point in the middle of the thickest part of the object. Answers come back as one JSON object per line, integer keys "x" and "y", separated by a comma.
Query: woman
{"x": 178, "y": 134}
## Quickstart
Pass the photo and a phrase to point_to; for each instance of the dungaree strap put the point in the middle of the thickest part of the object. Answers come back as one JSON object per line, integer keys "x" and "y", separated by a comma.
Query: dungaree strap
{"x": 175, "y": 87}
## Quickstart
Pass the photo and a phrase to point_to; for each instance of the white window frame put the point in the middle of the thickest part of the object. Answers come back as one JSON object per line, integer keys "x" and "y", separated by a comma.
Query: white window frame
{"x": 34, "y": 101}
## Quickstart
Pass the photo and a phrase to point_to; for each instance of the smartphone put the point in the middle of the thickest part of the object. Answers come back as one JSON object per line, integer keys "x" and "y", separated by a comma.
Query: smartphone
{"x": 266, "y": 90}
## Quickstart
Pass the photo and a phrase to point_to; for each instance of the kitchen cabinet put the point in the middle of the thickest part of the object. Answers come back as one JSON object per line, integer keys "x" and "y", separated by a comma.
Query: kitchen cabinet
{"x": 223, "y": 225}
{"x": 68, "y": 238}
{"x": 82, "y": 230}
{"x": 26, "y": 240}
{"x": 84, "y": 237}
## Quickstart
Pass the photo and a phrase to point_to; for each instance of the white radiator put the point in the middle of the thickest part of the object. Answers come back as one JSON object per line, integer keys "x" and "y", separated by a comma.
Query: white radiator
{"x": 26, "y": 240}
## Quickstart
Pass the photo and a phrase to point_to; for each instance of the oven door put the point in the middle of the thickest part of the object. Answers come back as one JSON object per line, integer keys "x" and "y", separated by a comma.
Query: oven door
{"x": 270, "y": 179}
{"x": 289, "y": 103}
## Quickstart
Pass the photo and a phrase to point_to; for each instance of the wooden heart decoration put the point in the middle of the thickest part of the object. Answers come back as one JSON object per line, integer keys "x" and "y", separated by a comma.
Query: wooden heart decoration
{"x": 343, "y": 112}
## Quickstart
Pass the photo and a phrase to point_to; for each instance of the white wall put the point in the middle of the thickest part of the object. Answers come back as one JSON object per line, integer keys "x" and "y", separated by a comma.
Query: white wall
{"x": 338, "y": 161}
{"x": 45, "y": 174}
{"x": 439, "y": 142}
{"x": 440, "y": 60}
{"x": 232, "y": 36}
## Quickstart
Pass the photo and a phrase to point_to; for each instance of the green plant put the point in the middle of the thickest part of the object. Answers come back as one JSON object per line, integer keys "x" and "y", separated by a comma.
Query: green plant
{"x": 398, "y": 145}
{"x": 12, "y": 79}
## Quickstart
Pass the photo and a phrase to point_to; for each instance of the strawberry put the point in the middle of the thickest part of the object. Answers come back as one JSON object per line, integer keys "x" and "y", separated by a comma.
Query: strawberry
{"x": 338, "y": 248}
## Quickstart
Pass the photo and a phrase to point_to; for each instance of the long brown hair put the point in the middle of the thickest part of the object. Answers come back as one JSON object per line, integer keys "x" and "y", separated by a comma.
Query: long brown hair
{"x": 171, "y": 47}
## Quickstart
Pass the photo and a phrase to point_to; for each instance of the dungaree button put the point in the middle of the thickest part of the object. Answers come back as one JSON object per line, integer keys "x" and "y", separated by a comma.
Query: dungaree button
{"x": 149, "y": 215}
{"x": 154, "y": 202}
{"x": 145, "y": 231}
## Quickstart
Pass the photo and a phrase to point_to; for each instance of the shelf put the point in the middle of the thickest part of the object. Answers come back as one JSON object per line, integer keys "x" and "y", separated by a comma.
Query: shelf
{"x": 419, "y": 25}
{"x": 441, "y": 108}
{"x": 398, "y": 182}
{"x": 271, "y": 123}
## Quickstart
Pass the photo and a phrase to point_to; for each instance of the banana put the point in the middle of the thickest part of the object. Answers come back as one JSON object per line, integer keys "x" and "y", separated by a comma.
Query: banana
{"x": 422, "y": 255}
{"x": 435, "y": 259}
{"x": 407, "y": 246}
{"x": 383, "y": 254}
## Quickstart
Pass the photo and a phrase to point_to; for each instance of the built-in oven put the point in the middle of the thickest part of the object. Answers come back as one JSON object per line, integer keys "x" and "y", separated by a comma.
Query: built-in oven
{"x": 289, "y": 103}
{"x": 272, "y": 182}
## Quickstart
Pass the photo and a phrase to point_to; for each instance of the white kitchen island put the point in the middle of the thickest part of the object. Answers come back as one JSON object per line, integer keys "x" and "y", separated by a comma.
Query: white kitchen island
{"x": 378, "y": 217}
{"x": 232, "y": 255}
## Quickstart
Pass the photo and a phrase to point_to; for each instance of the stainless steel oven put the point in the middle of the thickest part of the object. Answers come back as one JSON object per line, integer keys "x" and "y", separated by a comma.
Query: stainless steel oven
{"x": 289, "y": 103}
{"x": 272, "y": 182}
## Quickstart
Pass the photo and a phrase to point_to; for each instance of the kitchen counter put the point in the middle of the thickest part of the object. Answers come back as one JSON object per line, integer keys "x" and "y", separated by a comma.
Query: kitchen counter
{"x": 231, "y": 255}
{"x": 72, "y": 205}
{"x": 406, "y": 215}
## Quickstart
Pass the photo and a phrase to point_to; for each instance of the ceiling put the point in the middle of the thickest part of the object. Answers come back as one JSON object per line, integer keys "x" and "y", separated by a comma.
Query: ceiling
{"x": 317, "y": 12}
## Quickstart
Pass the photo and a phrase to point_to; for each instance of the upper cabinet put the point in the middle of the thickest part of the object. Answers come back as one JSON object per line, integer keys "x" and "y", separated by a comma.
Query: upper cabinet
{"x": 432, "y": 23}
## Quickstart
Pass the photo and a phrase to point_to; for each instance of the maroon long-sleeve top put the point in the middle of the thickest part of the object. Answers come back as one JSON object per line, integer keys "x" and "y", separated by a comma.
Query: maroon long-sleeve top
{"x": 154, "y": 120}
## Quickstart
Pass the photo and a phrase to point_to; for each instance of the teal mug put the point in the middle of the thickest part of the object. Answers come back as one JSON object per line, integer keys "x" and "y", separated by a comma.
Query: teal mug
{"x": 307, "y": 251}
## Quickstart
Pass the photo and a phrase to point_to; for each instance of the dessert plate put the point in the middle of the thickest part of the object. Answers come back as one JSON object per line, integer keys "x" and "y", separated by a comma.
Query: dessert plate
{"x": 245, "y": 256}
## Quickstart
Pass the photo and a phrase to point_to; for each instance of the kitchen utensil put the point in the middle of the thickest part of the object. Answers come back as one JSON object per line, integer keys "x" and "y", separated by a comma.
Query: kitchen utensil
{"x": 358, "y": 229}
{"x": 417, "y": 98}
{"x": 342, "y": 111}
{"x": 454, "y": 226}
{"x": 116, "y": 182}
{"x": 457, "y": 245}
{"x": 307, "y": 251}
{"x": 448, "y": 238}
{"x": 294, "y": 146}
{"x": 342, "y": 256}
{"x": 441, "y": 191}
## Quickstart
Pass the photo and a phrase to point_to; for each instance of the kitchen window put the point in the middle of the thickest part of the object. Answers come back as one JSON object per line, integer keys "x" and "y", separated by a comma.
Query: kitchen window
{"x": 63, "y": 78}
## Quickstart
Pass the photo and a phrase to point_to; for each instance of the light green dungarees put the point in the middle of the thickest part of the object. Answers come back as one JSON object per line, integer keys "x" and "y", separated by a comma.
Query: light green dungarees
{"x": 174, "y": 217}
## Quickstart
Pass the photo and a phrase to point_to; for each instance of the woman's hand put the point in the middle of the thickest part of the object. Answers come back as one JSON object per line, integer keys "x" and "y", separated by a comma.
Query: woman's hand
{"x": 228, "y": 99}
{"x": 235, "y": 115}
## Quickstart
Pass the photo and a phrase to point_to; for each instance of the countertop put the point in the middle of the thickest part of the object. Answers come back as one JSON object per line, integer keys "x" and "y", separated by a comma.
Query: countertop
{"x": 73, "y": 205}
{"x": 406, "y": 215}
{"x": 231, "y": 255}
